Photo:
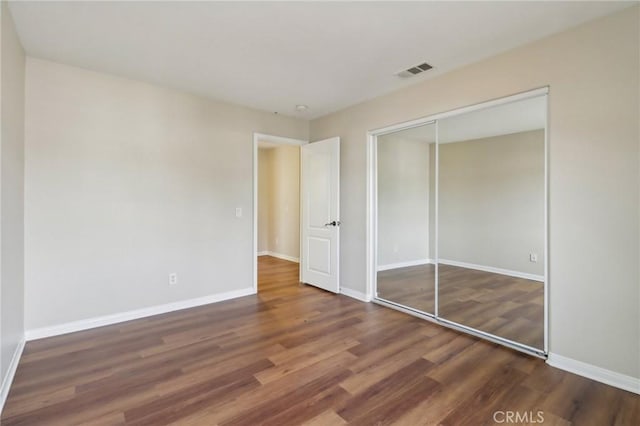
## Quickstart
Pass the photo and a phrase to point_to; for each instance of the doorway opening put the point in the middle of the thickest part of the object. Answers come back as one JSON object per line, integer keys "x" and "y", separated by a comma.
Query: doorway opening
{"x": 276, "y": 211}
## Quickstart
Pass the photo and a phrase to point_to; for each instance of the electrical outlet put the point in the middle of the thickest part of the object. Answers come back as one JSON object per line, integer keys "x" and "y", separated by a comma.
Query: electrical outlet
{"x": 533, "y": 257}
{"x": 238, "y": 211}
{"x": 173, "y": 279}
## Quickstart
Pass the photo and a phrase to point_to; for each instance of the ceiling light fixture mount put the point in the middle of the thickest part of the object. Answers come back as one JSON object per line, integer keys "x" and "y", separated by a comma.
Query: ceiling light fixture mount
{"x": 301, "y": 107}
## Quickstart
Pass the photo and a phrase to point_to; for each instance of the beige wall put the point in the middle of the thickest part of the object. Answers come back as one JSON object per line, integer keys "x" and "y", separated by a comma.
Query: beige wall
{"x": 593, "y": 72}
{"x": 12, "y": 191}
{"x": 491, "y": 201}
{"x": 403, "y": 200}
{"x": 127, "y": 182}
{"x": 264, "y": 198}
{"x": 279, "y": 200}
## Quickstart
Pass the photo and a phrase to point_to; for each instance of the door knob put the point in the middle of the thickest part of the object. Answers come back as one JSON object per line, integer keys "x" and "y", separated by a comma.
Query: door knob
{"x": 333, "y": 223}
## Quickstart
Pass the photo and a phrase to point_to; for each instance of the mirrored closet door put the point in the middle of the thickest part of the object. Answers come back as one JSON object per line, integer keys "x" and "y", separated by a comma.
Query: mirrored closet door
{"x": 406, "y": 222}
{"x": 460, "y": 214}
{"x": 491, "y": 224}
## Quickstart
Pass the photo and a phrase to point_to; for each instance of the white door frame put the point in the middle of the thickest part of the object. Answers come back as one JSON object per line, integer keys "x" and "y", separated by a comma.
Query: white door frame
{"x": 278, "y": 140}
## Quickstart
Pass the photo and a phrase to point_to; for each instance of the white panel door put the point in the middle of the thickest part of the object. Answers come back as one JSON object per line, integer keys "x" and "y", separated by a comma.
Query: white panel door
{"x": 320, "y": 200}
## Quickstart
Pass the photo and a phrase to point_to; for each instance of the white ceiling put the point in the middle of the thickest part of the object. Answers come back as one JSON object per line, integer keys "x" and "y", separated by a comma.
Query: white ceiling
{"x": 274, "y": 55}
{"x": 515, "y": 117}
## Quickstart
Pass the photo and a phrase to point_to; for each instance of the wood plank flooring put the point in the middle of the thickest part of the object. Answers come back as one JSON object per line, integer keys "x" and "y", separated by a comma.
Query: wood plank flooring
{"x": 505, "y": 306}
{"x": 294, "y": 355}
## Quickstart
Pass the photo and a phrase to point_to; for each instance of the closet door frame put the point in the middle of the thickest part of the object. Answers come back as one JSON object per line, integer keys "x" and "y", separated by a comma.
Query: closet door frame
{"x": 372, "y": 219}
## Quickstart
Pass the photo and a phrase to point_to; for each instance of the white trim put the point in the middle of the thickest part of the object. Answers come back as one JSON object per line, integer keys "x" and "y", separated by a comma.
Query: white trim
{"x": 371, "y": 238}
{"x": 277, "y": 140}
{"x": 406, "y": 264}
{"x": 546, "y": 228}
{"x": 279, "y": 256}
{"x": 355, "y": 294}
{"x": 85, "y": 324}
{"x": 7, "y": 380}
{"x": 493, "y": 270}
{"x": 436, "y": 223}
{"x": 599, "y": 374}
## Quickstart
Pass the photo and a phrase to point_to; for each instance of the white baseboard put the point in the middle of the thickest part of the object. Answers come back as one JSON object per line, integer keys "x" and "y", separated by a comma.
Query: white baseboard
{"x": 611, "y": 378}
{"x": 491, "y": 269}
{"x": 279, "y": 256}
{"x": 11, "y": 372}
{"x": 355, "y": 294}
{"x": 407, "y": 264}
{"x": 70, "y": 327}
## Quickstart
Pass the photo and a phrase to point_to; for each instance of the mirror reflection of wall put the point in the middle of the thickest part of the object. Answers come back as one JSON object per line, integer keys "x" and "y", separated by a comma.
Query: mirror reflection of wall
{"x": 491, "y": 220}
{"x": 406, "y": 274}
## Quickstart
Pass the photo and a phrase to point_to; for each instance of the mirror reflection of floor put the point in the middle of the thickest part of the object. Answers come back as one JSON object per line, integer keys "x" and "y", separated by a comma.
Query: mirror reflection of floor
{"x": 502, "y": 305}
{"x": 413, "y": 286}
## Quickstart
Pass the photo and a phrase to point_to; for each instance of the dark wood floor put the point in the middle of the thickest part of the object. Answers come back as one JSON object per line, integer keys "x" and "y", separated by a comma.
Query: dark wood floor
{"x": 505, "y": 306}
{"x": 294, "y": 355}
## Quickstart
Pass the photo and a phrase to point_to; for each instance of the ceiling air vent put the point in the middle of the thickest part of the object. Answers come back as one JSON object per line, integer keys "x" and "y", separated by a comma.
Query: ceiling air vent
{"x": 417, "y": 69}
